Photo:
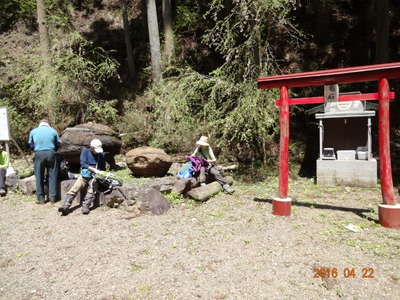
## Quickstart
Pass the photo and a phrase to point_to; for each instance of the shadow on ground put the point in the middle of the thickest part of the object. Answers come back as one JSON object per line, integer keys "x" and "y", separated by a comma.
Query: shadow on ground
{"x": 361, "y": 212}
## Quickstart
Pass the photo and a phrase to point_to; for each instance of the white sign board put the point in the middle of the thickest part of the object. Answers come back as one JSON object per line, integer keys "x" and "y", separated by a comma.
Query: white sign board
{"x": 331, "y": 95}
{"x": 4, "y": 128}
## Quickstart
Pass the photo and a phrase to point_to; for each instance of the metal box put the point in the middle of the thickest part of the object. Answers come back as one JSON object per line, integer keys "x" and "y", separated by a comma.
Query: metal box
{"x": 328, "y": 154}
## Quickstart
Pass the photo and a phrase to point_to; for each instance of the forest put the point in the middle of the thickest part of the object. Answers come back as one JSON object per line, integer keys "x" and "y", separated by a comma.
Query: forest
{"x": 164, "y": 72}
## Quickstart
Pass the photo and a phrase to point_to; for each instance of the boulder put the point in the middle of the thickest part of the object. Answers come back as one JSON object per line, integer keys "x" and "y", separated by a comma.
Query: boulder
{"x": 148, "y": 162}
{"x": 73, "y": 139}
{"x": 12, "y": 180}
{"x": 116, "y": 197}
{"x": 181, "y": 186}
{"x": 152, "y": 200}
{"x": 175, "y": 168}
{"x": 28, "y": 185}
{"x": 205, "y": 192}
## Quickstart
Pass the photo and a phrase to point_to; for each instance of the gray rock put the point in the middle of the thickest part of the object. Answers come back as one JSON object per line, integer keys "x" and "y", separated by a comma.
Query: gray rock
{"x": 205, "y": 192}
{"x": 148, "y": 162}
{"x": 152, "y": 200}
{"x": 116, "y": 197}
{"x": 175, "y": 168}
{"x": 75, "y": 138}
{"x": 181, "y": 186}
{"x": 163, "y": 184}
{"x": 28, "y": 185}
{"x": 12, "y": 180}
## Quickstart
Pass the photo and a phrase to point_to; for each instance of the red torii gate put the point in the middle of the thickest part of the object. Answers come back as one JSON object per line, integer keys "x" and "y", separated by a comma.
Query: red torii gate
{"x": 389, "y": 211}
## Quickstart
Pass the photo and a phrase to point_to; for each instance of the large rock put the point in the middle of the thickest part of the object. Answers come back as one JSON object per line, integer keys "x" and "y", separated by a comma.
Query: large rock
{"x": 148, "y": 162}
{"x": 28, "y": 185}
{"x": 205, "y": 192}
{"x": 73, "y": 139}
{"x": 116, "y": 197}
{"x": 181, "y": 186}
{"x": 12, "y": 180}
{"x": 152, "y": 200}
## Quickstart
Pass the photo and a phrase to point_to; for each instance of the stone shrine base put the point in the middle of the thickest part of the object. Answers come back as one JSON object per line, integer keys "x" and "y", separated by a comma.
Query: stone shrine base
{"x": 360, "y": 173}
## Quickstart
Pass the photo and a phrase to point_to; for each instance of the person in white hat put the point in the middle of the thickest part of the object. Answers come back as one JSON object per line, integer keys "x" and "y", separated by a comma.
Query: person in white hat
{"x": 204, "y": 151}
{"x": 92, "y": 161}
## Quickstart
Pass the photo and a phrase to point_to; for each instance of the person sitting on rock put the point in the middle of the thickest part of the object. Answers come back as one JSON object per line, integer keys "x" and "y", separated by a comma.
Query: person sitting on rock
{"x": 92, "y": 161}
{"x": 4, "y": 163}
{"x": 203, "y": 150}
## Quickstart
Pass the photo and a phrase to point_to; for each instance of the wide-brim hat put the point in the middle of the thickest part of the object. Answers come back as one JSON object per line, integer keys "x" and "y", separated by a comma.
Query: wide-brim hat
{"x": 97, "y": 146}
{"x": 203, "y": 141}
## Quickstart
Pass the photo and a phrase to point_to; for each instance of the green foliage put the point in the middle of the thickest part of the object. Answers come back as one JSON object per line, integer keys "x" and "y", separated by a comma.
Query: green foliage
{"x": 188, "y": 15}
{"x": 14, "y": 10}
{"x": 245, "y": 32}
{"x": 240, "y": 119}
{"x": 104, "y": 112}
{"x": 174, "y": 198}
{"x": 70, "y": 90}
{"x": 137, "y": 126}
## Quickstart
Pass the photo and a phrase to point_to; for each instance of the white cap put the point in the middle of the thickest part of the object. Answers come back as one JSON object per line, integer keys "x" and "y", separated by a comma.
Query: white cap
{"x": 96, "y": 145}
{"x": 203, "y": 141}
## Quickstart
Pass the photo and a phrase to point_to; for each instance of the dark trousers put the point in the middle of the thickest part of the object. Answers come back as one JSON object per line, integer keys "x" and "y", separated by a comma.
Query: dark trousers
{"x": 212, "y": 172}
{"x": 46, "y": 161}
{"x": 3, "y": 178}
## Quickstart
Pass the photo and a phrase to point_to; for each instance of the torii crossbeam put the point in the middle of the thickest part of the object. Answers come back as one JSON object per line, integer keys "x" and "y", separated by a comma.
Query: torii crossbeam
{"x": 389, "y": 211}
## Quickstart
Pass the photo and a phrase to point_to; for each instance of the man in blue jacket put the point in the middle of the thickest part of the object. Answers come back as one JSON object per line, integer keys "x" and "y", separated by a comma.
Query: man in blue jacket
{"x": 92, "y": 160}
{"x": 44, "y": 140}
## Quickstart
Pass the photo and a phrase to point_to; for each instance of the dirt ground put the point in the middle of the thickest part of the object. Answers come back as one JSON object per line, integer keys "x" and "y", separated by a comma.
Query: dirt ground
{"x": 230, "y": 247}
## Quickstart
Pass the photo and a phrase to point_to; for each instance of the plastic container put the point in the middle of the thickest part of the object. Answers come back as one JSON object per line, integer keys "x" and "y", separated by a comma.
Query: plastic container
{"x": 362, "y": 155}
{"x": 346, "y": 154}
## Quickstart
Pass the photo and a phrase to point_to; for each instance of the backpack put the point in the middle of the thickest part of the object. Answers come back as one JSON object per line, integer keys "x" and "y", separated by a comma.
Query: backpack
{"x": 186, "y": 171}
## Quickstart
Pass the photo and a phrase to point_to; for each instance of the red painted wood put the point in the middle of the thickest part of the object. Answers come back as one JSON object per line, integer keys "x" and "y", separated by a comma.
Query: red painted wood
{"x": 316, "y": 100}
{"x": 284, "y": 143}
{"x": 326, "y": 77}
{"x": 385, "y": 168}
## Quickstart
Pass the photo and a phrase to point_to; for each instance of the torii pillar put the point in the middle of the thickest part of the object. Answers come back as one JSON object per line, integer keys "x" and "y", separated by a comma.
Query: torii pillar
{"x": 389, "y": 210}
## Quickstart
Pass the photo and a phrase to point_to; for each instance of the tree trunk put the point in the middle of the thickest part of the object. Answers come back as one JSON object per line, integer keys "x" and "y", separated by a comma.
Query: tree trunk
{"x": 43, "y": 34}
{"x": 169, "y": 46}
{"x": 382, "y": 31}
{"x": 154, "y": 39}
{"x": 128, "y": 43}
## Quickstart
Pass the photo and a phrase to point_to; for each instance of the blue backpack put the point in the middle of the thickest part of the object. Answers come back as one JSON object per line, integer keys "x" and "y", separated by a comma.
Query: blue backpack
{"x": 186, "y": 171}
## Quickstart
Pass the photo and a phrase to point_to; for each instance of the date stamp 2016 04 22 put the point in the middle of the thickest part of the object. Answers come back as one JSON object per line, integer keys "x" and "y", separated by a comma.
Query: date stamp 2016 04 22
{"x": 348, "y": 272}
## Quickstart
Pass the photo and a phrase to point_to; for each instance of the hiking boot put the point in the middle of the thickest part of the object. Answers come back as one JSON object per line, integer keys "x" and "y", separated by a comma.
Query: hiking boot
{"x": 227, "y": 188}
{"x": 2, "y": 192}
{"x": 85, "y": 209}
{"x": 87, "y": 203}
{"x": 67, "y": 204}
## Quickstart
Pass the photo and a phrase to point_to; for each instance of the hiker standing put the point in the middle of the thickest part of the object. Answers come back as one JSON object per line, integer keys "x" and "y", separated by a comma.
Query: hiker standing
{"x": 4, "y": 163}
{"x": 44, "y": 140}
{"x": 92, "y": 161}
{"x": 204, "y": 151}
